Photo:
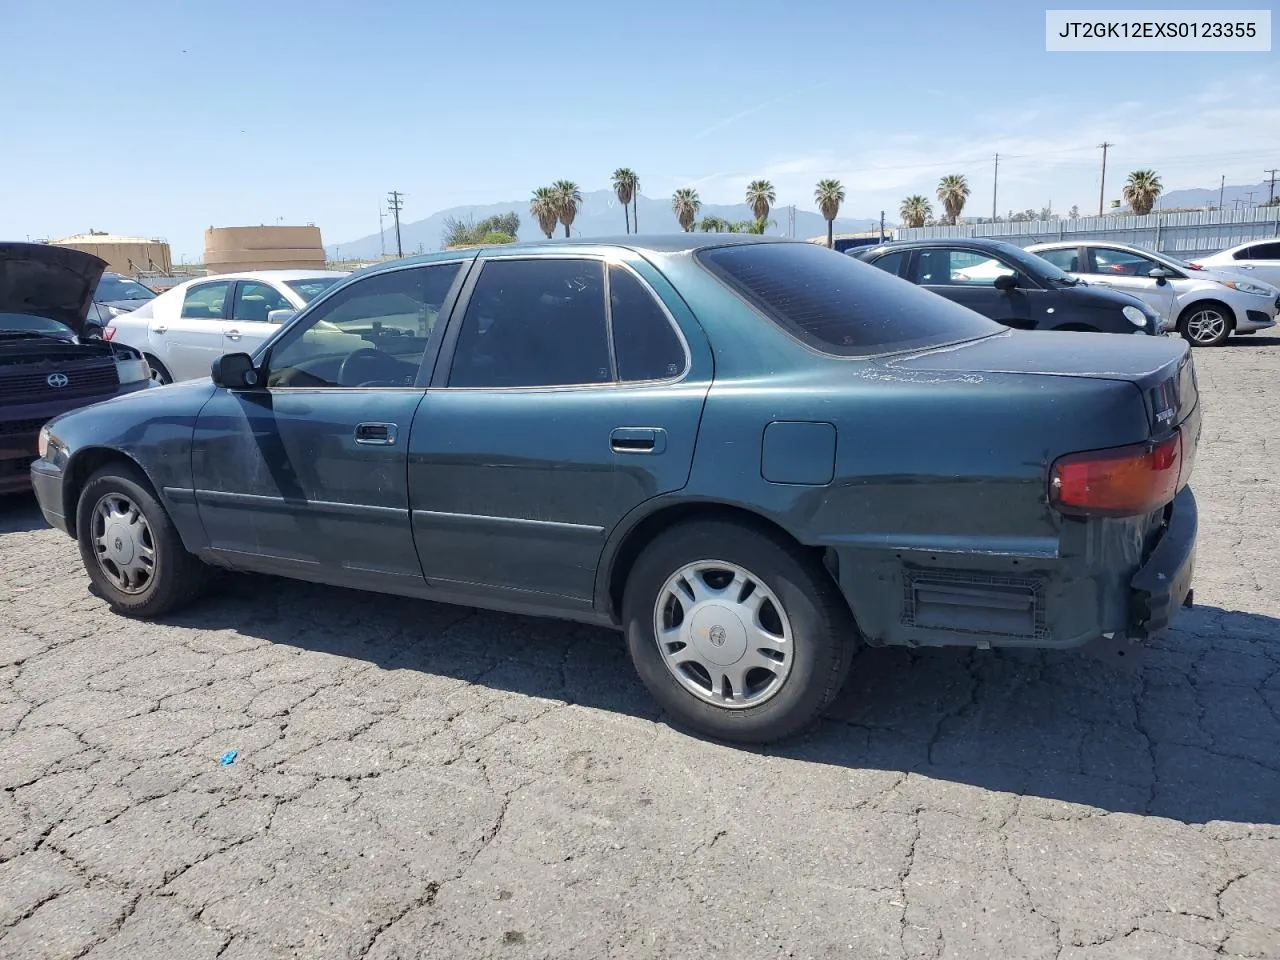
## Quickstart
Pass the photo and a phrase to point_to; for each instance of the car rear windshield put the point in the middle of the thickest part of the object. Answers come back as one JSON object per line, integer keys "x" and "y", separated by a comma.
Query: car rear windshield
{"x": 840, "y": 305}
{"x": 118, "y": 288}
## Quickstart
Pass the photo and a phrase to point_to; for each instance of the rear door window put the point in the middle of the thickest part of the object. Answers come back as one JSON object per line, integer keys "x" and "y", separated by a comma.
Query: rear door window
{"x": 206, "y": 301}
{"x": 837, "y": 304}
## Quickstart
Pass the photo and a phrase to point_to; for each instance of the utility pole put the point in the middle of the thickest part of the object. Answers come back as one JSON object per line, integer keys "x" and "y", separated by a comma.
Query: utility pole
{"x": 1102, "y": 189}
{"x": 995, "y": 183}
{"x": 1271, "y": 189}
{"x": 882, "y": 226}
{"x": 382, "y": 232}
{"x": 395, "y": 202}
{"x": 1222, "y": 188}
{"x": 1249, "y": 201}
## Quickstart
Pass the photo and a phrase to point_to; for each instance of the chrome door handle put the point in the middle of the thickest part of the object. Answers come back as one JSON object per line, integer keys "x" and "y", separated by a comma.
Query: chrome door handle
{"x": 160, "y": 329}
{"x": 377, "y": 434}
{"x": 233, "y": 334}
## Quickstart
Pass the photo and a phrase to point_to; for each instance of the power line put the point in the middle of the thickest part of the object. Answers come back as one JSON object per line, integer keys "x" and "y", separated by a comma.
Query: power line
{"x": 395, "y": 203}
{"x": 1102, "y": 187}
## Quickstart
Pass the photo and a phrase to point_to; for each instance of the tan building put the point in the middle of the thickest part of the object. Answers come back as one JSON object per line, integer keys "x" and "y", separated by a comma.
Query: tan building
{"x": 128, "y": 255}
{"x": 229, "y": 249}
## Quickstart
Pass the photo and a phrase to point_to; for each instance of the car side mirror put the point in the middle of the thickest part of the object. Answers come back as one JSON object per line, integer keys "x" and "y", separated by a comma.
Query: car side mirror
{"x": 1006, "y": 281}
{"x": 1160, "y": 275}
{"x": 280, "y": 316}
{"x": 235, "y": 371}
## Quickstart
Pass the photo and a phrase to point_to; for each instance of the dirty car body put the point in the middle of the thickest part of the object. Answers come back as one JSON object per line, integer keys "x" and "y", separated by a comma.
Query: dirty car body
{"x": 46, "y": 293}
{"x": 865, "y": 459}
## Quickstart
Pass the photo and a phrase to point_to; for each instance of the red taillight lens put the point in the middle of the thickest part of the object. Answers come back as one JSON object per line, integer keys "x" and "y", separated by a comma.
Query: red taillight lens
{"x": 1195, "y": 266}
{"x": 108, "y": 333}
{"x": 1119, "y": 482}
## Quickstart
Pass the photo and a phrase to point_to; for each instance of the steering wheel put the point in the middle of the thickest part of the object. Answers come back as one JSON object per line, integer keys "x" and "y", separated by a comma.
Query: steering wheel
{"x": 361, "y": 365}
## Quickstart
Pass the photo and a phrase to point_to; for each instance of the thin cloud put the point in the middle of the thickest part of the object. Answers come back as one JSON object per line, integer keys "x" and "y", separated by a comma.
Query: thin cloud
{"x": 721, "y": 124}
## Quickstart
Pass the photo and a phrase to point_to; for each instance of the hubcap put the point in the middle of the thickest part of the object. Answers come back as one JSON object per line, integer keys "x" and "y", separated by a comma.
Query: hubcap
{"x": 723, "y": 634}
{"x": 1206, "y": 326}
{"x": 123, "y": 544}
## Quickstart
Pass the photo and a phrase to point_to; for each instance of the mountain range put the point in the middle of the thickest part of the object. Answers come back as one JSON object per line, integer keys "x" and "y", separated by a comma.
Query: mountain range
{"x": 599, "y": 216}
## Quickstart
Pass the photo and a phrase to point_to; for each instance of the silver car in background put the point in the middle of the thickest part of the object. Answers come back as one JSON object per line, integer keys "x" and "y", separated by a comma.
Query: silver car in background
{"x": 1204, "y": 306}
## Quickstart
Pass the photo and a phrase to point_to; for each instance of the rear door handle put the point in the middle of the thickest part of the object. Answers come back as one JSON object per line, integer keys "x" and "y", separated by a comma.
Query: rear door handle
{"x": 160, "y": 329}
{"x": 233, "y": 334}
{"x": 638, "y": 440}
{"x": 377, "y": 434}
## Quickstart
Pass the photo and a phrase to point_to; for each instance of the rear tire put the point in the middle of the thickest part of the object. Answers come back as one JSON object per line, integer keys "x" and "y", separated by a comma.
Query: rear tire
{"x": 130, "y": 547}
{"x": 1206, "y": 324}
{"x": 767, "y": 637}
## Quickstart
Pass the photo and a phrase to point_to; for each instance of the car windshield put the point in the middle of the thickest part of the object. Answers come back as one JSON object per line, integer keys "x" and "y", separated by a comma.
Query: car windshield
{"x": 312, "y": 287}
{"x": 111, "y": 289}
{"x": 840, "y": 305}
{"x": 29, "y": 323}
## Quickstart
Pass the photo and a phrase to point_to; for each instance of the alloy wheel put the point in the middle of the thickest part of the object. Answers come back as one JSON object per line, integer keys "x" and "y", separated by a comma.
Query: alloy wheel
{"x": 1206, "y": 325}
{"x": 723, "y": 634}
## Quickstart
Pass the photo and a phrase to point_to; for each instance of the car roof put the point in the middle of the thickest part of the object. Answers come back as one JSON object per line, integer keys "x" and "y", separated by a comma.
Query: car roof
{"x": 1110, "y": 244}
{"x": 991, "y": 243}
{"x": 657, "y": 243}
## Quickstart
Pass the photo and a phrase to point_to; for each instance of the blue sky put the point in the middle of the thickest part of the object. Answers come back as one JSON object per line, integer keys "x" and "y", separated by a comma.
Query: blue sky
{"x": 163, "y": 119}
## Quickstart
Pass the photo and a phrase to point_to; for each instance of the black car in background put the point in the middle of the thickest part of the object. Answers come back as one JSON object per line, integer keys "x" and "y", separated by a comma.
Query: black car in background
{"x": 1011, "y": 286}
{"x": 46, "y": 365}
{"x": 114, "y": 296}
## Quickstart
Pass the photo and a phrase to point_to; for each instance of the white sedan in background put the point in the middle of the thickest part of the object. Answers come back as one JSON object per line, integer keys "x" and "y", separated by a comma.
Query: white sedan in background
{"x": 1258, "y": 259}
{"x": 1203, "y": 305}
{"x": 182, "y": 331}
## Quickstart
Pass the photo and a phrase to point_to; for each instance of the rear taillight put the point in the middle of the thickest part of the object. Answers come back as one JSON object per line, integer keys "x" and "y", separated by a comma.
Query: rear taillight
{"x": 1195, "y": 266}
{"x": 1120, "y": 481}
{"x": 108, "y": 333}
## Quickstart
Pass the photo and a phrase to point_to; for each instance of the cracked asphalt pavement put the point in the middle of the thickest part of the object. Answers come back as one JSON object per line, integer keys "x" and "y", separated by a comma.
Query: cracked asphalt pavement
{"x": 415, "y": 780}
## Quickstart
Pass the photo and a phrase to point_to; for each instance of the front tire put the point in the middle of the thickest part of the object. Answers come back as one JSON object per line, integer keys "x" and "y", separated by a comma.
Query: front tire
{"x": 160, "y": 374}
{"x": 130, "y": 547}
{"x": 1206, "y": 324}
{"x": 737, "y": 633}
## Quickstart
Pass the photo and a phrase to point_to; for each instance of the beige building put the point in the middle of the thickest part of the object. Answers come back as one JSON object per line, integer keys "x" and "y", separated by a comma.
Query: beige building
{"x": 128, "y": 255}
{"x": 228, "y": 249}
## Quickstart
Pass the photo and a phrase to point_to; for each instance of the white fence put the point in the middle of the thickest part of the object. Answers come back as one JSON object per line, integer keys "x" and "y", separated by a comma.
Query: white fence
{"x": 1180, "y": 234}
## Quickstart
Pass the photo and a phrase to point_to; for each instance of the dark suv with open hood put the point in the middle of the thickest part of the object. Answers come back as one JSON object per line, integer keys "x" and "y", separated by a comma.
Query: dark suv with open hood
{"x": 46, "y": 368}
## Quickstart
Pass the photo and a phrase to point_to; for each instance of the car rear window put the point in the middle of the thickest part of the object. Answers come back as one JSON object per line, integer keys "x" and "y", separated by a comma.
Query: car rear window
{"x": 840, "y": 305}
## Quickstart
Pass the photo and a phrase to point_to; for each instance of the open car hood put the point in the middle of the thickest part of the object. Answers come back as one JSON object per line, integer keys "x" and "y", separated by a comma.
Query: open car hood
{"x": 49, "y": 281}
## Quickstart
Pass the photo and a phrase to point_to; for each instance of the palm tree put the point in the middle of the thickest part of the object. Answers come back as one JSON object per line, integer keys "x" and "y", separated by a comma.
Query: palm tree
{"x": 1141, "y": 190}
{"x": 829, "y": 194}
{"x": 625, "y": 182}
{"x": 760, "y": 197}
{"x": 543, "y": 208}
{"x": 953, "y": 191}
{"x": 685, "y": 205}
{"x": 915, "y": 210}
{"x": 713, "y": 224}
{"x": 568, "y": 200}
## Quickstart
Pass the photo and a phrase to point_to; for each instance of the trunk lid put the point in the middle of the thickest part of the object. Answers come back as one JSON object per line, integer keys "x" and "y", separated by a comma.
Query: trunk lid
{"x": 1161, "y": 368}
{"x": 49, "y": 281}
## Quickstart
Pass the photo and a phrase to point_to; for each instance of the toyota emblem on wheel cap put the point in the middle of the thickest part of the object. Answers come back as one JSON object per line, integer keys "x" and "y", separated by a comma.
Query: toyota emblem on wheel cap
{"x": 56, "y": 379}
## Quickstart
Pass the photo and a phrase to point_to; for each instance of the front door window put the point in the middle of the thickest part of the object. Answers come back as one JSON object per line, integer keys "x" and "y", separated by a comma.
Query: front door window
{"x": 374, "y": 333}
